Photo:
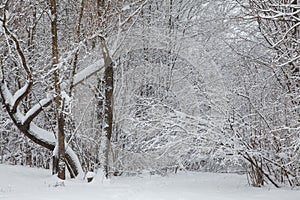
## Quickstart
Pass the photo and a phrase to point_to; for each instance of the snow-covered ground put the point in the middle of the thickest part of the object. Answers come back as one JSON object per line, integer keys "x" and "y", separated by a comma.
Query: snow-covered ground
{"x": 37, "y": 184}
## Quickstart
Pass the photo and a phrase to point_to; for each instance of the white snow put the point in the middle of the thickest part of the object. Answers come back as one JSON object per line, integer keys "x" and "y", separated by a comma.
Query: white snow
{"x": 22, "y": 183}
{"x": 34, "y": 130}
{"x": 66, "y": 98}
{"x": 8, "y": 97}
{"x": 36, "y": 107}
{"x": 74, "y": 157}
{"x": 19, "y": 93}
{"x": 88, "y": 71}
{"x": 42, "y": 134}
{"x": 126, "y": 7}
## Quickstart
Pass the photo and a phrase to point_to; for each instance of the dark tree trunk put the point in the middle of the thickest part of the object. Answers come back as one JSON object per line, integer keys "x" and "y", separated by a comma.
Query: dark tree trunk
{"x": 108, "y": 104}
{"x": 58, "y": 99}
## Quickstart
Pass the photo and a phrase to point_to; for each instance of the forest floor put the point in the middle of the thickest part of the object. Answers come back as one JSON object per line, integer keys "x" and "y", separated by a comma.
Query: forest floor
{"x": 23, "y": 183}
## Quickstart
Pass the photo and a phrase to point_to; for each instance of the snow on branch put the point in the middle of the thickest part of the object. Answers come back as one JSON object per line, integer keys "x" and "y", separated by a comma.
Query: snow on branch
{"x": 35, "y": 133}
{"x": 42, "y": 135}
{"x": 14, "y": 100}
{"x": 36, "y": 109}
{"x": 38, "y": 135}
{"x": 70, "y": 153}
{"x": 19, "y": 95}
{"x": 138, "y": 10}
{"x": 6, "y": 94}
{"x": 88, "y": 72}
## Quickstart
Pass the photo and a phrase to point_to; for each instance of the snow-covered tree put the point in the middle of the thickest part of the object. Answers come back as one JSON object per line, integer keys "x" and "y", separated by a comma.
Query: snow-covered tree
{"x": 263, "y": 115}
{"x": 51, "y": 75}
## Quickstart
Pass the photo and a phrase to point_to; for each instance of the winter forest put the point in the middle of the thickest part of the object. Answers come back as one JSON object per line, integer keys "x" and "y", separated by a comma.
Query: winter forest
{"x": 125, "y": 87}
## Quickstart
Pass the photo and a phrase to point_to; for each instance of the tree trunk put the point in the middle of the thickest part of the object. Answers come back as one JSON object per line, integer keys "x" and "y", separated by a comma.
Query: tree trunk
{"x": 58, "y": 99}
{"x": 108, "y": 105}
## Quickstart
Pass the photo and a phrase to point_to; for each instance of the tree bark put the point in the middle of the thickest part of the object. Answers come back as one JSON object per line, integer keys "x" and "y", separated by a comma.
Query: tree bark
{"x": 108, "y": 104}
{"x": 75, "y": 61}
{"x": 58, "y": 100}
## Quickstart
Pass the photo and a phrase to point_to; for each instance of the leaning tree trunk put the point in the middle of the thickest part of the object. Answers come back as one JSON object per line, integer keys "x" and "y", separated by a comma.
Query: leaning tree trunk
{"x": 23, "y": 119}
{"x": 29, "y": 129}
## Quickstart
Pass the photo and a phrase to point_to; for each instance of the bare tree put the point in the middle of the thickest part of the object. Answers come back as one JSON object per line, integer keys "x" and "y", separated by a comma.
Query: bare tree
{"x": 279, "y": 23}
{"x": 24, "y": 122}
{"x": 57, "y": 89}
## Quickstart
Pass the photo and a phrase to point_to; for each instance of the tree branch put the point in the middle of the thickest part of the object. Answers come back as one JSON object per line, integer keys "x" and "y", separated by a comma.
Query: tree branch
{"x": 24, "y": 91}
{"x": 36, "y": 109}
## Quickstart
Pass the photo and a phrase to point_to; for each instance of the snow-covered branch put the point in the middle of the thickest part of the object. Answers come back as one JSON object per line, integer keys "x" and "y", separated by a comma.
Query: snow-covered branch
{"x": 135, "y": 13}
{"x": 19, "y": 95}
{"x": 36, "y": 109}
{"x": 88, "y": 72}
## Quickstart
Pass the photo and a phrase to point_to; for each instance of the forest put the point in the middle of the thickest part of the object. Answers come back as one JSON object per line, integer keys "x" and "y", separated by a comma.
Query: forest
{"x": 125, "y": 87}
